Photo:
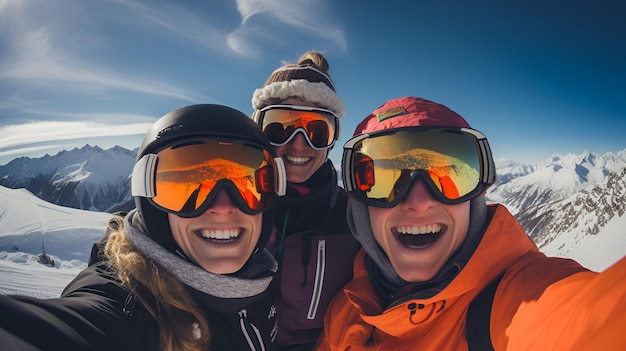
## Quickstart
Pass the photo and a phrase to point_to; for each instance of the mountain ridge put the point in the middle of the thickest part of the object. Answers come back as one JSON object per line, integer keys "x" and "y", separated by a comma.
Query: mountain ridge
{"x": 88, "y": 178}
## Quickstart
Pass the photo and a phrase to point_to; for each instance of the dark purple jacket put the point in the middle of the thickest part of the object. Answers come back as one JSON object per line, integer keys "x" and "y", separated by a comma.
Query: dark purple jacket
{"x": 315, "y": 252}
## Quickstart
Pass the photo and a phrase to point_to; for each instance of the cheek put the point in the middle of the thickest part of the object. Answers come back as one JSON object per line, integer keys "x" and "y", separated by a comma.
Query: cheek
{"x": 376, "y": 214}
{"x": 257, "y": 224}
{"x": 320, "y": 155}
{"x": 324, "y": 154}
{"x": 378, "y": 218}
{"x": 279, "y": 149}
{"x": 177, "y": 225}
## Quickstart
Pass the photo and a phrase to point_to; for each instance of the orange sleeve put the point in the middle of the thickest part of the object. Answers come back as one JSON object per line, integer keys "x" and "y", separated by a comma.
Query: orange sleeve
{"x": 583, "y": 311}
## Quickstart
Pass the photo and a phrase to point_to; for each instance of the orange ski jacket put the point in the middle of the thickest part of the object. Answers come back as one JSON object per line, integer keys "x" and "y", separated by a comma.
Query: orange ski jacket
{"x": 541, "y": 303}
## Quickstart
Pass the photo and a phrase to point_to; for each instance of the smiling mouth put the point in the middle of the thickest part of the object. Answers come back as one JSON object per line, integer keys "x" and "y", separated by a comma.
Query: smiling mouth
{"x": 419, "y": 237}
{"x": 297, "y": 160}
{"x": 222, "y": 236}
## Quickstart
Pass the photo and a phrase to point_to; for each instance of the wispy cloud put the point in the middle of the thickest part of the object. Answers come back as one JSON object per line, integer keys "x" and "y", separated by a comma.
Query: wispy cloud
{"x": 42, "y": 49}
{"x": 309, "y": 17}
{"x": 312, "y": 18}
{"x": 40, "y": 55}
{"x": 26, "y": 150}
{"x": 14, "y": 135}
{"x": 176, "y": 19}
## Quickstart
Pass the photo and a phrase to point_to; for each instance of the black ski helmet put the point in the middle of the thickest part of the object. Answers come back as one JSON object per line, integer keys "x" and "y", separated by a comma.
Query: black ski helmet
{"x": 190, "y": 122}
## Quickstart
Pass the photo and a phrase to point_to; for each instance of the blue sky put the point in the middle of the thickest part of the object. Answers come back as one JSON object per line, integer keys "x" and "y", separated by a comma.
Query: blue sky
{"x": 537, "y": 77}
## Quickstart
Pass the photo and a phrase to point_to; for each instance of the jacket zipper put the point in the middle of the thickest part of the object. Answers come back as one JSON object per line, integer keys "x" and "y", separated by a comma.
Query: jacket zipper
{"x": 250, "y": 332}
{"x": 319, "y": 279}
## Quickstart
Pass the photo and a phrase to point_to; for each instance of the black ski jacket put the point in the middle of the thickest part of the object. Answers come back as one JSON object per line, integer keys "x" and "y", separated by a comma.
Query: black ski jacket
{"x": 95, "y": 312}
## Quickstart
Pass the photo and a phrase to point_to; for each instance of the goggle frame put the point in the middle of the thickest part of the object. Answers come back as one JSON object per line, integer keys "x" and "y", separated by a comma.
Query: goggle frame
{"x": 486, "y": 178}
{"x": 143, "y": 179}
{"x": 259, "y": 114}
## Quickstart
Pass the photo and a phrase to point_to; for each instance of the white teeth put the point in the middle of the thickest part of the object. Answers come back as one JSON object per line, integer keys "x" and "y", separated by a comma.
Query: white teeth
{"x": 220, "y": 234}
{"x": 297, "y": 159}
{"x": 416, "y": 230}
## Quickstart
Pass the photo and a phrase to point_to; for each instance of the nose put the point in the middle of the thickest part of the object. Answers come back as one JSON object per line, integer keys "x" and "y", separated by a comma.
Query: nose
{"x": 418, "y": 198}
{"x": 222, "y": 204}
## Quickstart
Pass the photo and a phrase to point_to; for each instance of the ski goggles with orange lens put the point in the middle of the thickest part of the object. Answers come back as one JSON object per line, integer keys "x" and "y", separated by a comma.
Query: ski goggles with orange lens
{"x": 184, "y": 179}
{"x": 281, "y": 123}
{"x": 455, "y": 164}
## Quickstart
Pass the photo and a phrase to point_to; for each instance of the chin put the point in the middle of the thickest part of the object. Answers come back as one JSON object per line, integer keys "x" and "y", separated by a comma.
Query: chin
{"x": 413, "y": 276}
{"x": 223, "y": 268}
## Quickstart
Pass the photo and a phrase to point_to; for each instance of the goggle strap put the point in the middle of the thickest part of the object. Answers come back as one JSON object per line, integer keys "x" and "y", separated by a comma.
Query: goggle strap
{"x": 281, "y": 177}
{"x": 488, "y": 165}
{"x": 346, "y": 168}
{"x": 256, "y": 115}
{"x": 142, "y": 180}
{"x": 348, "y": 151}
{"x": 489, "y": 174}
{"x": 337, "y": 128}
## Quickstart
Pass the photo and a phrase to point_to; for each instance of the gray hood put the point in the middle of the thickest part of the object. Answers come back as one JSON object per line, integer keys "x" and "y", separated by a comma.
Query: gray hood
{"x": 359, "y": 224}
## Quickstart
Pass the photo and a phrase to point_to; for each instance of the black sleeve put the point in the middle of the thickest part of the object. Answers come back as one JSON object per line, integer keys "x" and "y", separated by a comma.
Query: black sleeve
{"x": 12, "y": 342}
{"x": 89, "y": 316}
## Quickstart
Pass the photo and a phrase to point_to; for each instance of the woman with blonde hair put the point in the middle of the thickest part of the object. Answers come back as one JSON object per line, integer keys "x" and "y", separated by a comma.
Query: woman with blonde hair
{"x": 186, "y": 270}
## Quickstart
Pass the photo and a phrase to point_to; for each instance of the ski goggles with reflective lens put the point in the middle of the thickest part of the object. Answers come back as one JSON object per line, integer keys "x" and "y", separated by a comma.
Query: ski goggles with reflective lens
{"x": 455, "y": 164}
{"x": 185, "y": 178}
{"x": 281, "y": 123}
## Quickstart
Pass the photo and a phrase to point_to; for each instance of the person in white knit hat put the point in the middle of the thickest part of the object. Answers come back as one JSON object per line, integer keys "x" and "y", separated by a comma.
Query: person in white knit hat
{"x": 300, "y": 113}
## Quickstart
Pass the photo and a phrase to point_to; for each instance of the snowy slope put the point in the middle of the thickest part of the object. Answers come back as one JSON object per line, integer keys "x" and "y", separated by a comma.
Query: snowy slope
{"x": 596, "y": 252}
{"x": 26, "y": 221}
{"x": 21, "y": 274}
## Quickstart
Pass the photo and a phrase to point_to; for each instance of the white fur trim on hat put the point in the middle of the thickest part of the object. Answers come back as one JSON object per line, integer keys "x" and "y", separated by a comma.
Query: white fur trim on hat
{"x": 315, "y": 92}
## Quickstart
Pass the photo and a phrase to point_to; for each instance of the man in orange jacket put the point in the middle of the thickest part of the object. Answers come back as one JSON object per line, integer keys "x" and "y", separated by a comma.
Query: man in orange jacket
{"x": 428, "y": 252}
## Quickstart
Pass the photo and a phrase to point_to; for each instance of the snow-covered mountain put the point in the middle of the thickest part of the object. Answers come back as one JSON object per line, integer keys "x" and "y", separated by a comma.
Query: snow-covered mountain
{"x": 571, "y": 206}
{"x": 546, "y": 195}
{"x": 523, "y": 186}
{"x": 88, "y": 178}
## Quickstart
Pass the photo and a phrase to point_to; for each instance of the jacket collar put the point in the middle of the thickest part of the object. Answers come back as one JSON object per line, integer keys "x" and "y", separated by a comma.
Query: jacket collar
{"x": 503, "y": 242}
